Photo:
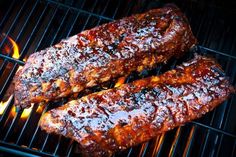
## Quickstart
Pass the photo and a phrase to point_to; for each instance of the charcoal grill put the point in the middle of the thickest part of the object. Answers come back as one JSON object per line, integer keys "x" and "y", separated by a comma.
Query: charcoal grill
{"x": 37, "y": 24}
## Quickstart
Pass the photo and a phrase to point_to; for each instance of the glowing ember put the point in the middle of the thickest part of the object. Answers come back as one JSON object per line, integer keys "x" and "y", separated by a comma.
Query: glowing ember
{"x": 3, "y": 105}
{"x": 120, "y": 81}
{"x": 26, "y": 112}
{"x": 16, "y": 54}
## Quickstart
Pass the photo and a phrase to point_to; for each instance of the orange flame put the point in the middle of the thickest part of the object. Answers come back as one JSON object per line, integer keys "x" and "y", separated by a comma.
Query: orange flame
{"x": 3, "y": 105}
{"x": 15, "y": 54}
{"x": 26, "y": 112}
{"x": 13, "y": 111}
{"x": 40, "y": 109}
{"x": 120, "y": 81}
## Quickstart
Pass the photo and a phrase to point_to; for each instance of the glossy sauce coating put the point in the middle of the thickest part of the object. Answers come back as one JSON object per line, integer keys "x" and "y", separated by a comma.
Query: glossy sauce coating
{"x": 118, "y": 118}
{"x": 102, "y": 53}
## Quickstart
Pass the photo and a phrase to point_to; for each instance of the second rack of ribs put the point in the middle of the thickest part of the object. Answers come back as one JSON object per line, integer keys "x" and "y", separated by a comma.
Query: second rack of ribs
{"x": 118, "y": 118}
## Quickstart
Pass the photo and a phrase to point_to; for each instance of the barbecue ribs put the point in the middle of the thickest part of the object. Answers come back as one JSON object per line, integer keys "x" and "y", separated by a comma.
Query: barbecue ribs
{"x": 118, "y": 118}
{"x": 102, "y": 53}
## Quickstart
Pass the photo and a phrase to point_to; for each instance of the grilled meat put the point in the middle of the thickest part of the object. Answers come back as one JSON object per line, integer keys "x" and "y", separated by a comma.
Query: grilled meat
{"x": 118, "y": 118}
{"x": 104, "y": 52}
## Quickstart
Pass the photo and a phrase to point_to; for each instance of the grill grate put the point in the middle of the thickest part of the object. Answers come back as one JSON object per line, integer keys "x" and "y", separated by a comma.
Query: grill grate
{"x": 37, "y": 24}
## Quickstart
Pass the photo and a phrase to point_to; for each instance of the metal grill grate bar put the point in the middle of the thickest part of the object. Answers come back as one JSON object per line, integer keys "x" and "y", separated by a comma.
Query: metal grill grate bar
{"x": 62, "y": 22}
{"x": 8, "y": 80}
{"x": 189, "y": 144}
{"x": 81, "y": 10}
{"x": 175, "y": 142}
{"x": 104, "y": 9}
{"x": 14, "y": 122}
{"x": 13, "y": 60}
{"x": 13, "y": 23}
{"x": 26, "y": 21}
{"x": 6, "y": 111}
{"x": 58, "y": 144}
{"x": 45, "y": 142}
{"x": 20, "y": 151}
{"x": 73, "y": 23}
{"x": 25, "y": 124}
{"x": 130, "y": 151}
{"x": 33, "y": 31}
{"x": 36, "y": 130}
{"x": 115, "y": 12}
{"x": 71, "y": 144}
{"x": 214, "y": 129}
{"x": 89, "y": 16}
{"x": 7, "y": 13}
{"x": 47, "y": 27}
{"x": 234, "y": 150}
{"x": 203, "y": 48}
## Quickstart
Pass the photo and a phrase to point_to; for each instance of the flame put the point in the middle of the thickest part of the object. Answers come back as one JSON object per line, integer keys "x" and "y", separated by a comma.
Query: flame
{"x": 13, "y": 111}
{"x": 120, "y": 81}
{"x": 3, "y": 105}
{"x": 26, "y": 112}
{"x": 40, "y": 109}
{"x": 15, "y": 54}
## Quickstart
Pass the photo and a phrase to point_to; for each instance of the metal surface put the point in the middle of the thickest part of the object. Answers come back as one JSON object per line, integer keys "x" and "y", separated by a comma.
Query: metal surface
{"x": 35, "y": 25}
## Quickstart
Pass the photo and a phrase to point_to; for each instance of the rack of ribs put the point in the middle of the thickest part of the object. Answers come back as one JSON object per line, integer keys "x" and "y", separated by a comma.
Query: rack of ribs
{"x": 119, "y": 118}
{"x": 102, "y": 53}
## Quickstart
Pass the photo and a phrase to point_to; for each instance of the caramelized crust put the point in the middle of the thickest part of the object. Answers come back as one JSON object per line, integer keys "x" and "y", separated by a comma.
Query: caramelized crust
{"x": 118, "y": 118}
{"x": 104, "y": 52}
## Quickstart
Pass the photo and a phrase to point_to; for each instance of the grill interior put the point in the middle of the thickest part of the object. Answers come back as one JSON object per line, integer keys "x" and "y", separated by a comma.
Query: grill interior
{"x": 37, "y": 24}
